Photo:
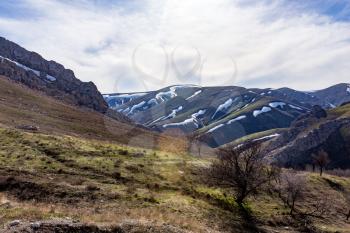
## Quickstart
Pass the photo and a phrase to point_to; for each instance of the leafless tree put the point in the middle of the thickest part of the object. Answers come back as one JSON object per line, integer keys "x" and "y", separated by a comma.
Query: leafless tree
{"x": 195, "y": 144}
{"x": 321, "y": 159}
{"x": 243, "y": 170}
{"x": 291, "y": 188}
{"x": 320, "y": 208}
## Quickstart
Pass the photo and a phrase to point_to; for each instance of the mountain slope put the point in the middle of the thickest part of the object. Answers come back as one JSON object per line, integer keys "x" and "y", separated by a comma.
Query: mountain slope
{"x": 50, "y": 77}
{"x": 308, "y": 135}
{"x": 219, "y": 115}
{"x": 20, "y": 105}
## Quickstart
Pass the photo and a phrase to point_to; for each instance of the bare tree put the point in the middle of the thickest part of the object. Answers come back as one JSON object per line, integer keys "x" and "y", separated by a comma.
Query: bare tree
{"x": 321, "y": 159}
{"x": 195, "y": 144}
{"x": 243, "y": 170}
{"x": 291, "y": 188}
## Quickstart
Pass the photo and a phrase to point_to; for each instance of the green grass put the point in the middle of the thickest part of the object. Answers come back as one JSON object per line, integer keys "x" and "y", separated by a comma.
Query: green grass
{"x": 107, "y": 183}
{"x": 342, "y": 111}
{"x": 254, "y": 136}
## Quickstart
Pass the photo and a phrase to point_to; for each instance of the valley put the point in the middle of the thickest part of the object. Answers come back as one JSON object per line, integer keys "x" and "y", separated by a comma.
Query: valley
{"x": 74, "y": 160}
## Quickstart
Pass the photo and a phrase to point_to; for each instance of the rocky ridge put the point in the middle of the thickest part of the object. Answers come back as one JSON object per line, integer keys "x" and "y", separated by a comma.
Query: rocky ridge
{"x": 50, "y": 77}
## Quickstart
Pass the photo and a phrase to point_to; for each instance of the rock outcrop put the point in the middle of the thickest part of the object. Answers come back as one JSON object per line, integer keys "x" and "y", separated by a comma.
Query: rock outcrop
{"x": 294, "y": 147}
{"x": 51, "y": 77}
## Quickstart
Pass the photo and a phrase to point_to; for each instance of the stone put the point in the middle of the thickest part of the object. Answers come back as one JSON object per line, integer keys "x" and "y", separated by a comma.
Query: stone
{"x": 14, "y": 223}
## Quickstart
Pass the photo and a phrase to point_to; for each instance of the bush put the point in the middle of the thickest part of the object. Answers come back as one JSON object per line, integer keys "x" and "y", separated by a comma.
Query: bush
{"x": 92, "y": 188}
{"x": 123, "y": 152}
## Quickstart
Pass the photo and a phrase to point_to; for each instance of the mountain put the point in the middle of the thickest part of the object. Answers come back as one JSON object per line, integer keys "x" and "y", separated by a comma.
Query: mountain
{"x": 29, "y": 109}
{"x": 219, "y": 115}
{"x": 327, "y": 98}
{"x": 50, "y": 77}
{"x": 311, "y": 133}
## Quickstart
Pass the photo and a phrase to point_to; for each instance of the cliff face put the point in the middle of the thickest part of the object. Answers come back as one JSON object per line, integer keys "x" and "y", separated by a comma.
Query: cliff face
{"x": 51, "y": 77}
{"x": 294, "y": 147}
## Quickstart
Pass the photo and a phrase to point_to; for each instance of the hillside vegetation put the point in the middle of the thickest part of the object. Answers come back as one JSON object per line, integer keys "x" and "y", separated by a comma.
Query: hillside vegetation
{"x": 22, "y": 106}
{"x": 46, "y": 177}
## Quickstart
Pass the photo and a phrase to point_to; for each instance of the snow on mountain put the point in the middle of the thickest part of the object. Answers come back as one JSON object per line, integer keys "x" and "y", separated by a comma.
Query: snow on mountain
{"x": 263, "y": 110}
{"x": 170, "y": 116}
{"x": 117, "y": 100}
{"x": 266, "y": 137}
{"x": 195, "y": 94}
{"x": 136, "y": 106}
{"x": 295, "y": 107}
{"x": 26, "y": 68}
{"x": 226, "y": 105}
{"x": 222, "y": 107}
{"x": 192, "y": 120}
{"x": 215, "y": 128}
{"x": 236, "y": 119}
{"x": 277, "y": 104}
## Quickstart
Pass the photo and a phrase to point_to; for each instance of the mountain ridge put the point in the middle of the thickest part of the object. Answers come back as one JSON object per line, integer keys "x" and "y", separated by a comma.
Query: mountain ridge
{"x": 54, "y": 79}
{"x": 219, "y": 111}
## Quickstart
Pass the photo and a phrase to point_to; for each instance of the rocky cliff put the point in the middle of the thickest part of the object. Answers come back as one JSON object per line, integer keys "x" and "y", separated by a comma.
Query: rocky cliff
{"x": 51, "y": 77}
{"x": 308, "y": 135}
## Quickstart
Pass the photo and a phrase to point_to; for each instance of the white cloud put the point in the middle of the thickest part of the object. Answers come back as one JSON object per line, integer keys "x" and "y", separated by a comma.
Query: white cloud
{"x": 271, "y": 44}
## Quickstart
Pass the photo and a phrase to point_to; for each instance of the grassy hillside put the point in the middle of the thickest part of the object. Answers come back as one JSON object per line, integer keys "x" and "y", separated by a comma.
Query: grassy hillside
{"x": 47, "y": 177}
{"x": 20, "y": 105}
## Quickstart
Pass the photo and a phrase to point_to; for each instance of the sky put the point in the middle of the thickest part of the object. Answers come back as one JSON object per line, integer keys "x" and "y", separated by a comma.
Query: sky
{"x": 142, "y": 45}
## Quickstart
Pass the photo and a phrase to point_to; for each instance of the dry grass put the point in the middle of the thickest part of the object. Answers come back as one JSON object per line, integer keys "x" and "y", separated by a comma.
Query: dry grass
{"x": 20, "y": 105}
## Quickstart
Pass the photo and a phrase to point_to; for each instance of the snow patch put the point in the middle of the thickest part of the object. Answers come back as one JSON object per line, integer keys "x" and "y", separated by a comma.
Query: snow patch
{"x": 223, "y": 106}
{"x": 277, "y": 104}
{"x": 215, "y": 128}
{"x": 236, "y": 119}
{"x": 195, "y": 94}
{"x": 136, "y": 106}
{"x": 173, "y": 113}
{"x": 121, "y": 99}
{"x": 26, "y": 68}
{"x": 295, "y": 107}
{"x": 50, "y": 78}
{"x": 162, "y": 96}
{"x": 126, "y": 110}
{"x": 152, "y": 101}
{"x": 263, "y": 110}
{"x": 170, "y": 116}
{"x": 192, "y": 120}
{"x": 348, "y": 89}
{"x": 266, "y": 137}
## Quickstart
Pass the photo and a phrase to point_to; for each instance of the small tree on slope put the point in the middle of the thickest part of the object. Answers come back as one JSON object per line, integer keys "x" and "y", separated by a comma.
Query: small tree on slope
{"x": 243, "y": 170}
{"x": 321, "y": 159}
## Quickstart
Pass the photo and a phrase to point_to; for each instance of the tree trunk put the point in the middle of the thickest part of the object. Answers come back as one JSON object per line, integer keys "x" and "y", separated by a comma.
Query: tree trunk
{"x": 240, "y": 198}
{"x": 321, "y": 171}
{"x": 292, "y": 207}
